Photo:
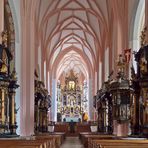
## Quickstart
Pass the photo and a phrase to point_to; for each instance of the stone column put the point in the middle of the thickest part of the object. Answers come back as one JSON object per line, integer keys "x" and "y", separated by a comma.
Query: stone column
{"x": 27, "y": 68}
{"x": 54, "y": 100}
{"x": 90, "y": 100}
{"x": 1, "y": 18}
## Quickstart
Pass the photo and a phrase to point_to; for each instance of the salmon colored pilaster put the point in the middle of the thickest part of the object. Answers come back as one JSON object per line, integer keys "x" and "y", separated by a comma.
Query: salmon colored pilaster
{"x": 103, "y": 66}
{"x": 36, "y": 54}
{"x": 42, "y": 69}
{"x": 27, "y": 68}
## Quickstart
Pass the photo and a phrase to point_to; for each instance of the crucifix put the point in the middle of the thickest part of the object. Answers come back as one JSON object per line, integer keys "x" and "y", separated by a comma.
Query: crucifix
{"x": 127, "y": 53}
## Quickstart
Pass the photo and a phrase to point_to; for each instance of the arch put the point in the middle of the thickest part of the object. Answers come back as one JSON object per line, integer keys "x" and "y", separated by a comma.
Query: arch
{"x": 138, "y": 22}
{"x": 138, "y": 26}
{"x": 60, "y": 56}
{"x": 15, "y": 16}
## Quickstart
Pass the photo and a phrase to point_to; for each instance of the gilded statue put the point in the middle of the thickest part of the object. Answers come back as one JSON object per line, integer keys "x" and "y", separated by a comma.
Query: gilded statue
{"x": 4, "y": 38}
{"x": 3, "y": 62}
{"x": 3, "y": 53}
{"x": 143, "y": 65}
{"x": 143, "y": 37}
{"x": 14, "y": 75}
{"x": 121, "y": 64}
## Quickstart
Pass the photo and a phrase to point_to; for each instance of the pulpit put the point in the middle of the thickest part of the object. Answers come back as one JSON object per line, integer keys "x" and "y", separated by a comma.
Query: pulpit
{"x": 122, "y": 99}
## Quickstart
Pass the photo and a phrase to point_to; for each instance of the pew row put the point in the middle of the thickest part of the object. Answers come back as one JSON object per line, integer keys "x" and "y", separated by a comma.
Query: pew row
{"x": 20, "y": 143}
{"x": 53, "y": 140}
{"x": 57, "y": 139}
{"x": 86, "y": 137}
{"x": 94, "y": 143}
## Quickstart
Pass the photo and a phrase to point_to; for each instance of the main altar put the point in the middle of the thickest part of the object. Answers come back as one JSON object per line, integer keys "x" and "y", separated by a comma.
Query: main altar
{"x": 71, "y": 102}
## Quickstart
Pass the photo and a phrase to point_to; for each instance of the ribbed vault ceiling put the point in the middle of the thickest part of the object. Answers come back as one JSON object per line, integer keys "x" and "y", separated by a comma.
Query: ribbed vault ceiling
{"x": 72, "y": 23}
{"x": 81, "y": 24}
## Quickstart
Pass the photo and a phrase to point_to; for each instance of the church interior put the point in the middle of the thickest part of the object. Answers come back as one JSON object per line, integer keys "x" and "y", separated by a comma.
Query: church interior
{"x": 73, "y": 73}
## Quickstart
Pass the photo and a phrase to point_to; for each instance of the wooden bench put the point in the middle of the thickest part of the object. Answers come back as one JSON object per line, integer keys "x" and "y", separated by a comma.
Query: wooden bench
{"x": 62, "y": 134}
{"x": 53, "y": 140}
{"x": 19, "y": 143}
{"x": 118, "y": 143}
{"x": 81, "y": 134}
{"x": 57, "y": 139}
{"x": 86, "y": 138}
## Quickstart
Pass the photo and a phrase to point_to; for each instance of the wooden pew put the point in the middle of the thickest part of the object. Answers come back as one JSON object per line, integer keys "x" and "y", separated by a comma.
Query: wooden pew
{"x": 62, "y": 134}
{"x": 86, "y": 138}
{"x": 57, "y": 138}
{"x": 118, "y": 143}
{"x": 81, "y": 134}
{"x": 24, "y": 143}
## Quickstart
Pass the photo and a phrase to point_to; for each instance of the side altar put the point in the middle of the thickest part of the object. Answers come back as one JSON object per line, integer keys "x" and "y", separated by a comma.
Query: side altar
{"x": 8, "y": 85}
{"x": 42, "y": 104}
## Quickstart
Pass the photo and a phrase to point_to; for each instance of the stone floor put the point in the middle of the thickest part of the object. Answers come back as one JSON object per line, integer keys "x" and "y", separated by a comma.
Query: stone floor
{"x": 72, "y": 142}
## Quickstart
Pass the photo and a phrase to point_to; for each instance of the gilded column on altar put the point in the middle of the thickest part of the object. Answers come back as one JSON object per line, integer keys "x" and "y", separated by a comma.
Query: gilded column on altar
{"x": 3, "y": 106}
{"x": 12, "y": 109}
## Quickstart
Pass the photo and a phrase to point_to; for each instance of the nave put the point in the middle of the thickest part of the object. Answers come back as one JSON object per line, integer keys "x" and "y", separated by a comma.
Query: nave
{"x": 72, "y": 142}
{"x": 73, "y": 73}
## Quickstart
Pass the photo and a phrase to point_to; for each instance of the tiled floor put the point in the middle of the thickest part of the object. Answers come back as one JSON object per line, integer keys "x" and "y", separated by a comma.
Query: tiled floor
{"x": 72, "y": 142}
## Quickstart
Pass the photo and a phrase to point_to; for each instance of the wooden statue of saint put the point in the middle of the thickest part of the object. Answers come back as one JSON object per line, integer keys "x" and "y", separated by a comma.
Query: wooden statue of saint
{"x": 5, "y": 56}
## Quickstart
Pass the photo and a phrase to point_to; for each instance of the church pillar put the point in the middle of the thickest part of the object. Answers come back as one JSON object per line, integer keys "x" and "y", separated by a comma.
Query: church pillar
{"x": 1, "y": 18}
{"x": 106, "y": 61}
{"x": 100, "y": 74}
{"x": 39, "y": 60}
{"x": 90, "y": 98}
{"x": 27, "y": 71}
{"x": 54, "y": 100}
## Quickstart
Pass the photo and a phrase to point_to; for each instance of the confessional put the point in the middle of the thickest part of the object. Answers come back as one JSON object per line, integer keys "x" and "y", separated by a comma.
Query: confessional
{"x": 42, "y": 105}
{"x": 8, "y": 86}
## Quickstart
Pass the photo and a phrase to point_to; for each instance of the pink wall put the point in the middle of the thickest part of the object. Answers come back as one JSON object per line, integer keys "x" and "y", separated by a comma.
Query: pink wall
{"x": 114, "y": 35}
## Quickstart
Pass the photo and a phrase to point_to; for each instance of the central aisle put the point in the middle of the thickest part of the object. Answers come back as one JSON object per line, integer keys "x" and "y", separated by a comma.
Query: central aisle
{"x": 72, "y": 142}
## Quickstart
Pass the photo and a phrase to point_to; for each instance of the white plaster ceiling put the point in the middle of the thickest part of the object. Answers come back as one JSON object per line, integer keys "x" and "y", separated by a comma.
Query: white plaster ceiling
{"x": 81, "y": 24}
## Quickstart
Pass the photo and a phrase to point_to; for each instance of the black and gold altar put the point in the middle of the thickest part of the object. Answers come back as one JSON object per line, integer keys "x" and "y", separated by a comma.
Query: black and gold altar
{"x": 8, "y": 85}
{"x": 104, "y": 108}
{"x": 42, "y": 105}
{"x": 142, "y": 95}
